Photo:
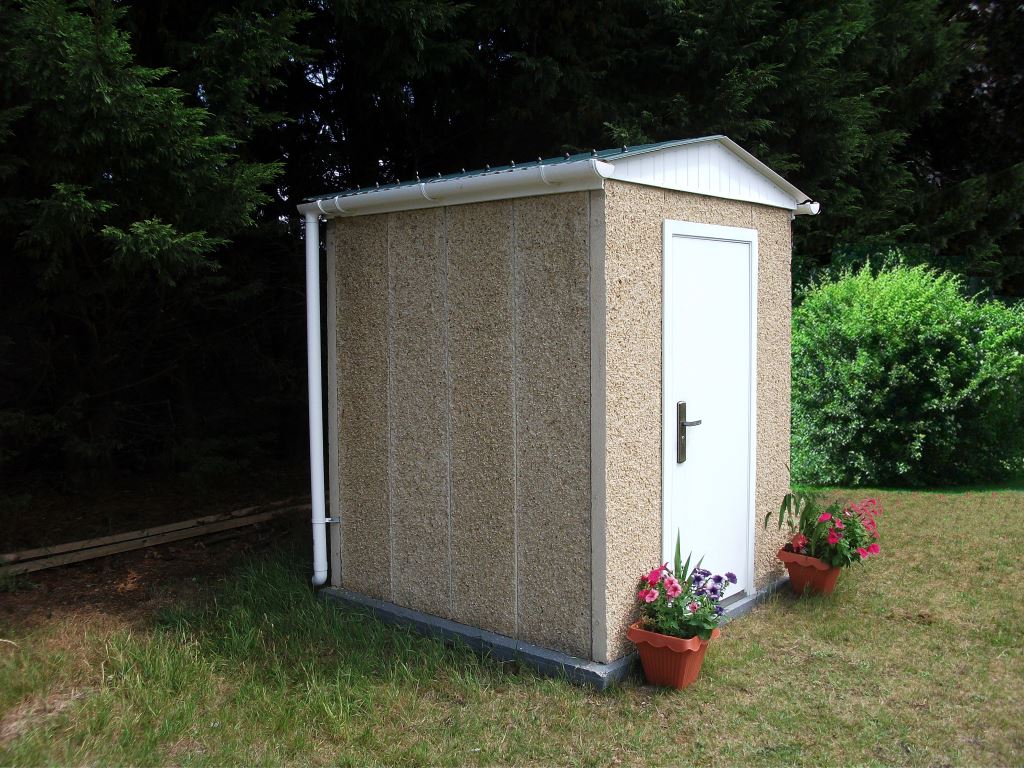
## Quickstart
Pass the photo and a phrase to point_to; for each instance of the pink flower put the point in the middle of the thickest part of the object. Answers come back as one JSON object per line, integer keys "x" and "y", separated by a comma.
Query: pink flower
{"x": 799, "y": 541}
{"x": 862, "y": 552}
{"x": 655, "y": 576}
{"x": 692, "y": 607}
{"x": 647, "y": 595}
{"x": 839, "y": 523}
{"x": 868, "y": 508}
{"x": 672, "y": 588}
{"x": 834, "y": 536}
{"x": 825, "y": 517}
{"x": 874, "y": 548}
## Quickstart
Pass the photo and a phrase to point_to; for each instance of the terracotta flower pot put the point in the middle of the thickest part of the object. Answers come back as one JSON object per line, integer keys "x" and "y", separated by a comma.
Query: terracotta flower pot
{"x": 809, "y": 573}
{"x": 671, "y": 661}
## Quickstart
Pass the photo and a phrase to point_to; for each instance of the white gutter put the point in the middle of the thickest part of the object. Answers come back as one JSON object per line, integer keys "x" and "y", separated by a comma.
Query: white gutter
{"x": 316, "y": 426}
{"x": 495, "y": 185}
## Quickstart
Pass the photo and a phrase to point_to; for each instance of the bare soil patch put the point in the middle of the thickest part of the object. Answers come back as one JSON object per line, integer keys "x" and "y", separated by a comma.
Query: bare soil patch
{"x": 132, "y": 585}
{"x": 43, "y": 517}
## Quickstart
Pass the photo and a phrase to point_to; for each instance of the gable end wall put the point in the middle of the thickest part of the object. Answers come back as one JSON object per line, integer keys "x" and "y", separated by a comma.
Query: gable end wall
{"x": 634, "y": 217}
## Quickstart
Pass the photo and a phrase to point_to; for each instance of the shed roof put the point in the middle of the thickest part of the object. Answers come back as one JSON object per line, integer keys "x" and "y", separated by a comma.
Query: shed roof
{"x": 709, "y": 165}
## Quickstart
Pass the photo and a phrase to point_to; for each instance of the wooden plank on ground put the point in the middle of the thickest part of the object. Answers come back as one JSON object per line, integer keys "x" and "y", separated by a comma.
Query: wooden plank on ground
{"x": 56, "y": 549}
{"x": 145, "y": 541}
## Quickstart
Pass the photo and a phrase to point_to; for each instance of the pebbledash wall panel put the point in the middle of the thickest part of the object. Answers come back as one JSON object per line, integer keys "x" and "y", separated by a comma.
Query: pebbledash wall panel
{"x": 361, "y": 255}
{"x": 419, "y": 451}
{"x": 463, "y": 392}
{"x": 552, "y": 411}
{"x": 634, "y": 217}
{"x": 481, "y": 273}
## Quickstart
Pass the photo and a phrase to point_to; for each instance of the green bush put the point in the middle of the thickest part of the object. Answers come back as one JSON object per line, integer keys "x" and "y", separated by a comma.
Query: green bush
{"x": 899, "y": 379}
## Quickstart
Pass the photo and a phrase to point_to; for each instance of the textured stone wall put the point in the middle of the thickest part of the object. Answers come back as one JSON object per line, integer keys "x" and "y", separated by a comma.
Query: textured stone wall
{"x": 480, "y": 274}
{"x": 419, "y": 464}
{"x": 362, "y": 418}
{"x": 552, "y": 344}
{"x": 463, "y": 359}
{"x": 634, "y": 217}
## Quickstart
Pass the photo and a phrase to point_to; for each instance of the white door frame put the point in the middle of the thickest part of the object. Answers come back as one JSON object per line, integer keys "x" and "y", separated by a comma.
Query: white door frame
{"x": 737, "y": 235}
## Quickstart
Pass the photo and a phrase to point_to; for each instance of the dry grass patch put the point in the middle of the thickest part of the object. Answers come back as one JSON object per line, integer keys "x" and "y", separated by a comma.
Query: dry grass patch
{"x": 34, "y": 712}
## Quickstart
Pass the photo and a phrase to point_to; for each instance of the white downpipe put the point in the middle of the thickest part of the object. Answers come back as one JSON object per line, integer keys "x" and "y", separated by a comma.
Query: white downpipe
{"x": 316, "y": 425}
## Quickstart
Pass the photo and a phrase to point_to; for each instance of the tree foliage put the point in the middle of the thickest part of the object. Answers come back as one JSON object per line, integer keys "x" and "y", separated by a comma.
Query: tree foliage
{"x": 152, "y": 154}
{"x": 971, "y": 152}
{"x": 827, "y": 95}
{"x": 120, "y": 199}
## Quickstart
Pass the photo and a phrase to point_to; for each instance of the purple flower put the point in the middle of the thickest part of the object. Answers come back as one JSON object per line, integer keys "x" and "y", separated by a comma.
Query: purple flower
{"x": 719, "y": 610}
{"x": 714, "y": 593}
{"x": 731, "y": 577}
{"x": 717, "y": 579}
{"x": 699, "y": 592}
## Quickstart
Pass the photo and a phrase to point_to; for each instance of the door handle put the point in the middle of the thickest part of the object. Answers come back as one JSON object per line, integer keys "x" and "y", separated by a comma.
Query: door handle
{"x": 681, "y": 425}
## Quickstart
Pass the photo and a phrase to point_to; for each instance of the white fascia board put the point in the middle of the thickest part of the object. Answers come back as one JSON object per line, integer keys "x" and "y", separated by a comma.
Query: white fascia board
{"x": 500, "y": 185}
{"x": 798, "y": 196}
{"x": 653, "y": 167}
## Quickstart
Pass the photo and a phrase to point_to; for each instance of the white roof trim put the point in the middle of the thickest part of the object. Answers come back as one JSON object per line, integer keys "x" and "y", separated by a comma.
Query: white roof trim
{"x": 715, "y": 166}
{"x": 763, "y": 169}
{"x": 516, "y": 182}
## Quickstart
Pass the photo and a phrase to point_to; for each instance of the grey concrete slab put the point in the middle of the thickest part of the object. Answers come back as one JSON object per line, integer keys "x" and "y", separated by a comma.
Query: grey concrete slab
{"x": 505, "y": 648}
{"x": 748, "y": 602}
{"x": 500, "y": 647}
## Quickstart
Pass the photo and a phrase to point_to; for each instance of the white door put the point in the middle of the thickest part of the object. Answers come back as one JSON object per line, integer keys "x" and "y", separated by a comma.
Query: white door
{"x": 709, "y": 322}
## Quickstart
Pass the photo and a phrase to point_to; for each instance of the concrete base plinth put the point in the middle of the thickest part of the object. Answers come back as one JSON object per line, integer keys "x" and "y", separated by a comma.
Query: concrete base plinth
{"x": 504, "y": 648}
{"x": 501, "y": 647}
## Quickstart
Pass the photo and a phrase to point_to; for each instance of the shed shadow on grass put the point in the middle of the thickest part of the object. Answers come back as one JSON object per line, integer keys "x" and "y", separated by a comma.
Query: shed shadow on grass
{"x": 266, "y": 617}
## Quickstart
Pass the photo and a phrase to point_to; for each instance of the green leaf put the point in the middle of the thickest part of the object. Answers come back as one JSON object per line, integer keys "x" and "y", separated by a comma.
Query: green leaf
{"x": 678, "y": 559}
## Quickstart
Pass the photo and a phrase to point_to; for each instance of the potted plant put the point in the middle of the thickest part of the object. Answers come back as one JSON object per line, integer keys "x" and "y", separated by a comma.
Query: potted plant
{"x": 825, "y": 539}
{"x": 679, "y": 616}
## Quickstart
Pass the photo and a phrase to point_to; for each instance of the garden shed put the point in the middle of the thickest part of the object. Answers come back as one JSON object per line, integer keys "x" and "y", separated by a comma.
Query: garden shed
{"x": 536, "y": 374}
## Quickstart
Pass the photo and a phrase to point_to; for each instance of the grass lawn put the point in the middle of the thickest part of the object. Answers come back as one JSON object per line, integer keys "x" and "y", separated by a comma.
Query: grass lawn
{"x": 916, "y": 659}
